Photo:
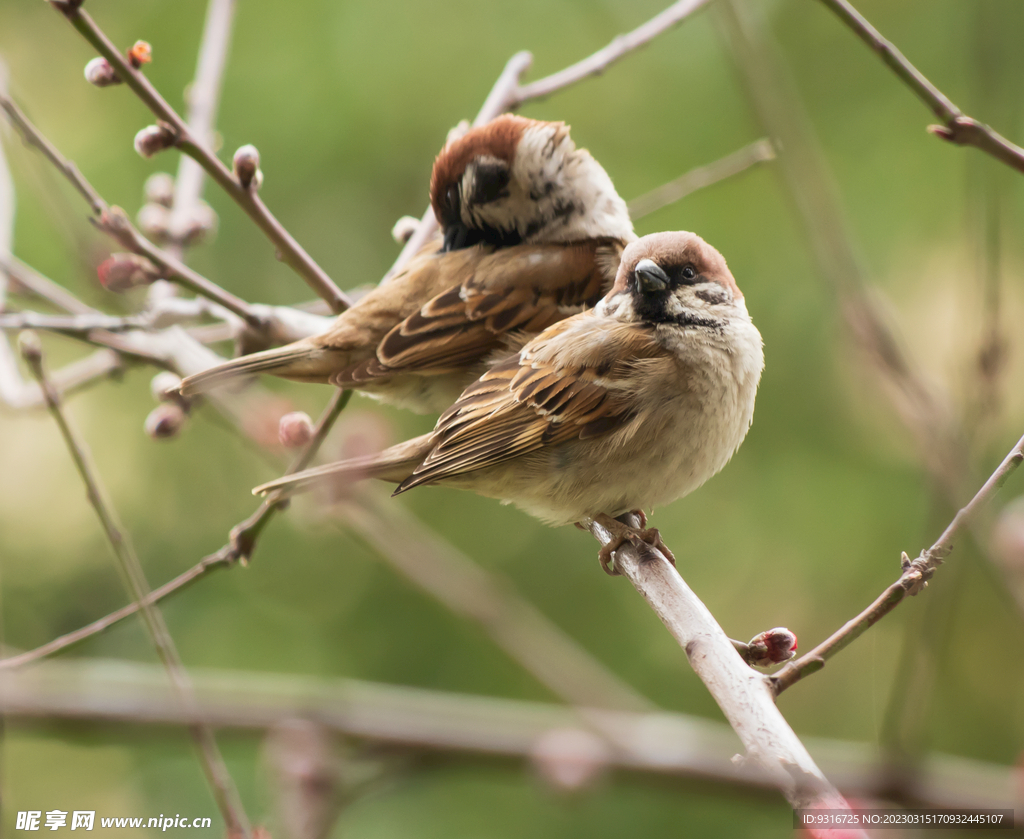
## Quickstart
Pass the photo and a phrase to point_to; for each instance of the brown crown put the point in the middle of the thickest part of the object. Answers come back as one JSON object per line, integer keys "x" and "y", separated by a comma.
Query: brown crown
{"x": 677, "y": 248}
{"x": 499, "y": 138}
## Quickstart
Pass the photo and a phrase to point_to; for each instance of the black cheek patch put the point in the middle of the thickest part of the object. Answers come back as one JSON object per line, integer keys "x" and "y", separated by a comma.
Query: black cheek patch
{"x": 712, "y": 295}
{"x": 490, "y": 183}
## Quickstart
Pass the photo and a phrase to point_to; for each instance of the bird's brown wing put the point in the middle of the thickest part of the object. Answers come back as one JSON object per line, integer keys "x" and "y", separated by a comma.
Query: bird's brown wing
{"x": 524, "y": 288}
{"x": 564, "y": 385}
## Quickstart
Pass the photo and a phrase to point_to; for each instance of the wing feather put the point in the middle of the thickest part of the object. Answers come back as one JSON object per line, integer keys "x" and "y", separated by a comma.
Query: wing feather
{"x": 558, "y": 388}
{"x": 521, "y": 288}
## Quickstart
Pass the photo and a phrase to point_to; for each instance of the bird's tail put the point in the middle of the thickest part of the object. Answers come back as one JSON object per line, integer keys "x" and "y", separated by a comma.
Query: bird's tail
{"x": 394, "y": 464}
{"x": 294, "y": 361}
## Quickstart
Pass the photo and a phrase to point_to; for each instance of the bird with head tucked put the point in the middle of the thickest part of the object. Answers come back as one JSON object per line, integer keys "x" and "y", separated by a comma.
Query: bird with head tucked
{"x": 531, "y": 232}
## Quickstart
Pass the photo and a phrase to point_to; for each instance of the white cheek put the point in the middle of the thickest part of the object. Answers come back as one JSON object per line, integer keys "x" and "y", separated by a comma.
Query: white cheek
{"x": 616, "y": 306}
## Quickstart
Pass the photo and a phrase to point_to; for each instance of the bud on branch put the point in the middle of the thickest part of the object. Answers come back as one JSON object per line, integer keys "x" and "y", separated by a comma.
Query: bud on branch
{"x": 247, "y": 167}
{"x": 124, "y": 271}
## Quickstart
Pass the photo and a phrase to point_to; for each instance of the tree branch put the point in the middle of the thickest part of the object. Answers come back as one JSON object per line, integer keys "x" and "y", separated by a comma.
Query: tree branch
{"x": 760, "y": 151}
{"x": 114, "y": 222}
{"x": 743, "y": 694}
{"x": 216, "y": 771}
{"x": 291, "y": 252}
{"x": 660, "y": 744}
{"x": 913, "y": 580}
{"x": 240, "y": 546}
{"x": 956, "y": 127}
{"x": 203, "y": 99}
{"x": 601, "y": 60}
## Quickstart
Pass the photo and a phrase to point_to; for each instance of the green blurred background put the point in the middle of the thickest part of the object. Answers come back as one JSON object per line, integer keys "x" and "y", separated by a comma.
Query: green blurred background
{"x": 348, "y": 102}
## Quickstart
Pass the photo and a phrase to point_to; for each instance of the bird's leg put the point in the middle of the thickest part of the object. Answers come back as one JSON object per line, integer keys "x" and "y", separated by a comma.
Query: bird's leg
{"x": 651, "y": 535}
{"x": 622, "y": 532}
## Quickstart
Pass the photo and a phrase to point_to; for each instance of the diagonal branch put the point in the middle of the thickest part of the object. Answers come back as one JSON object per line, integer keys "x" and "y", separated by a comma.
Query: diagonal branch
{"x": 216, "y": 771}
{"x": 291, "y": 252}
{"x": 743, "y": 694}
{"x": 114, "y": 222}
{"x": 601, "y": 60}
{"x": 956, "y": 127}
{"x": 760, "y": 151}
{"x": 241, "y": 544}
{"x": 916, "y": 574}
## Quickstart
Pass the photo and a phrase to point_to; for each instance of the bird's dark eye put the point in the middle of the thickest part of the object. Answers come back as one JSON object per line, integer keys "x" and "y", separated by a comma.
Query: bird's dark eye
{"x": 689, "y": 273}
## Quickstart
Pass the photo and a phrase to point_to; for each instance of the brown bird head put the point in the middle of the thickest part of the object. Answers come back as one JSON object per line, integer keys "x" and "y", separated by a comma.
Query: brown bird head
{"x": 519, "y": 180}
{"x": 673, "y": 278}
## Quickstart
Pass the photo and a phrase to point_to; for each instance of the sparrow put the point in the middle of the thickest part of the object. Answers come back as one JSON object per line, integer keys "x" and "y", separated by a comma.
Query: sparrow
{"x": 621, "y": 408}
{"x": 531, "y": 231}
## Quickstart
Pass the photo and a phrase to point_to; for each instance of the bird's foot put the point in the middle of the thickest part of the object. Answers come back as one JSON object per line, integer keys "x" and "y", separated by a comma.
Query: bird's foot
{"x": 652, "y": 537}
{"x": 622, "y": 533}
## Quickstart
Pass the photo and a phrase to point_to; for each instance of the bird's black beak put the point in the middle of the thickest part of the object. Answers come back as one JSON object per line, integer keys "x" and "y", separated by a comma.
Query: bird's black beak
{"x": 650, "y": 276}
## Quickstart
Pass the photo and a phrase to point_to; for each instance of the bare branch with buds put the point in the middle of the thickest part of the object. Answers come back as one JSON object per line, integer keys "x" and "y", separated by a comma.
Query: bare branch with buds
{"x": 913, "y": 580}
{"x": 174, "y": 130}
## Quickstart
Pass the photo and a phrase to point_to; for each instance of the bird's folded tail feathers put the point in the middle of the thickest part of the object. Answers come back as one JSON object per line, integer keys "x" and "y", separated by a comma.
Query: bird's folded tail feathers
{"x": 294, "y": 361}
{"x": 394, "y": 464}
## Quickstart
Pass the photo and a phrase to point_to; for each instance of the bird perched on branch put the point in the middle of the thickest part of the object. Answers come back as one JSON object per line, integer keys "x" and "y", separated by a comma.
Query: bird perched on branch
{"x": 626, "y": 406}
{"x": 531, "y": 231}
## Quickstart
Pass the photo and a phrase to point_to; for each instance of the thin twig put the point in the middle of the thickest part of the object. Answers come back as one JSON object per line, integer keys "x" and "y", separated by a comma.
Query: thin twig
{"x": 216, "y": 771}
{"x": 915, "y": 576}
{"x": 28, "y": 279}
{"x": 291, "y": 252}
{"x": 114, "y": 221}
{"x": 69, "y": 324}
{"x": 201, "y": 113}
{"x": 743, "y": 694}
{"x": 760, "y": 151}
{"x": 956, "y": 127}
{"x": 601, "y": 60}
{"x": 74, "y": 376}
{"x": 240, "y": 546}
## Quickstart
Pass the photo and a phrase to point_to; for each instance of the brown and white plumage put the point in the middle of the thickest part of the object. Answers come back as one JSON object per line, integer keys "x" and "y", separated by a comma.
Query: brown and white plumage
{"x": 627, "y": 406}
{"x": 531, "y": 232}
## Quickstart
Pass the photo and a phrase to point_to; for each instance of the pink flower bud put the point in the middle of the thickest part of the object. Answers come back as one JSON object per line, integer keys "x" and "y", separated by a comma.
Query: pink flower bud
{"x": 404, "y": 228}
{"x": 247, "y": 167}
{"x": 140, "y": 53}
{"x": 772, "y": 646}
{"x": 100, "y": 73}
{"x": 124, "y": 271}
{"x": 153, "y": 139}
{"x": 295, "y": 429}
{"x": 165, "y": 421}
{"x": 159, "y": 189}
